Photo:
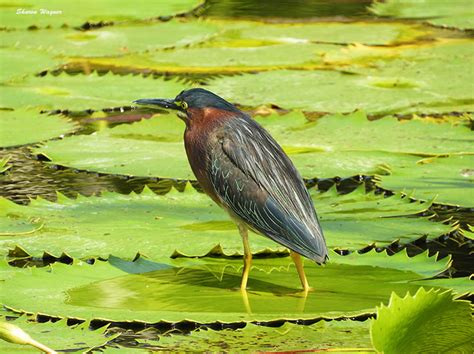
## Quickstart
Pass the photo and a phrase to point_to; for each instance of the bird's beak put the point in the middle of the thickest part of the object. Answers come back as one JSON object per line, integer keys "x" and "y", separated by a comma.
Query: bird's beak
{"x": 160, "y": 102}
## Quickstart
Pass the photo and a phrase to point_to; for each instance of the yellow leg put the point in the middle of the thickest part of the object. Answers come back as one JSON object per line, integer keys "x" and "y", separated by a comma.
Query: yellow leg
{"x": 247, "y": 256}
{"x": 299, "y": 267}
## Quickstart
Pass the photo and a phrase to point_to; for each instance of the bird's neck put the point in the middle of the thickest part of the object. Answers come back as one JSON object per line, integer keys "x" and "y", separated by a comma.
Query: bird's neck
{"x": 197, "y": 140}
{"x": 206, "y": 119}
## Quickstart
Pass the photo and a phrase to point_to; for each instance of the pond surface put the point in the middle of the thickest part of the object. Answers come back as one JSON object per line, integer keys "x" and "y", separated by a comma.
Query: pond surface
{"x": 287, "y": 8}
{"x": 202, "y": 288}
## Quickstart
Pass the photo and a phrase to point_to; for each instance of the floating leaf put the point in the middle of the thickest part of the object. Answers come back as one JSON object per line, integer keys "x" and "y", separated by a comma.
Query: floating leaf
{"x": 157, "y": 225}
{"x": 21, "y": 63}
{"x": 464, "y": 285}
{"x": 194, "y": 292}
{"x": 243, "y": 47}
{"x": 152, "y": 147}
{"x": 12, "y": 226}
{"x": 114, "y": 40}
{"x": 457, "y": 14}
{"x": 401, "y": 261}
{"x": 25, "y": 13}
{"x": 429, "y": 321}
{"x": 371, "y": 33}
{"x": 83, "y": 92}
{"x": 288, "y": 337}
{"x": 429, "y": 79}
{"x": 142, "y": 149}
{"x": 140, "y": 265}
{"x": 447, "y": 178}
{"x": 354, "y": 132}
{"x": 58, "y": 335}
{"x": 22, "y": 126}
{"x": 214, "y": 60}
{"x": 325, "y": 148}
{"x": 358, "y": 92}
{"x": 13, "y": 334}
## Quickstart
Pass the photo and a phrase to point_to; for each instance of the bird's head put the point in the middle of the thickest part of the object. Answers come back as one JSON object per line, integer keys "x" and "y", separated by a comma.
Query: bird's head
{"x": 190, "y": 103}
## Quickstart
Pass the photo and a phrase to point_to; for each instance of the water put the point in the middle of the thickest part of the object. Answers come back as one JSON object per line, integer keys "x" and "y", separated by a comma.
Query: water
{"x": 287, "y": 8}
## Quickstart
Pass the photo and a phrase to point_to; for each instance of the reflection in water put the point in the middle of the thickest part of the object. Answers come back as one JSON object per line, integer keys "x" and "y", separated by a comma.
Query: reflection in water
{"x": 287, "y": 8}
{"x": 198, "y": 289}
{"x": 29, "y": 178}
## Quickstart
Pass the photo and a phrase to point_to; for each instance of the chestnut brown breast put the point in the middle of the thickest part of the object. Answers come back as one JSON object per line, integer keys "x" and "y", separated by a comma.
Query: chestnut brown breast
{"x": 199, "y": 134}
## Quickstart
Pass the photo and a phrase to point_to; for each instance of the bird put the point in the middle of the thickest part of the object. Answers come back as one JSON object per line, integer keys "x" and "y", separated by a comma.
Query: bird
{"x": 241, "y": 167}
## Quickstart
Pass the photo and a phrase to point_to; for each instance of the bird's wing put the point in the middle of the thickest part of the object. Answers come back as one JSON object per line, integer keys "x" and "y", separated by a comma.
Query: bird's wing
{"x": 256, "y": 180}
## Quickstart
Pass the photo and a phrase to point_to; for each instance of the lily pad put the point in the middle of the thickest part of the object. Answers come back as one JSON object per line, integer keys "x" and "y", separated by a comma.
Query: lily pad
{"x": 252, "y": 46}
{"x": 458, "y": 14}
{"x": 21, "y": 63}
{"x": 13, "y": 227}
{"x": 214, "y": 60}
{"x": 288, "y": 337}
{"x": 398, "y": 261}
{"x": 428, "y": 79}
{"x": 102, "y": 291}
{"x": 83, "y": 92}
{"x": 448, "y": 179}
{"x": 332, "y": 146}
{"x": 135, "y": 151}
{"x": 354, "y": 132}
{"x": 114, "y": 40}
{"x": 462, "y": 286}
{"x": 370, "y": 33}
{"x": 152, "y": 147}
{"x": 342, "y": 92}
{"x": 55, "y": 13}
{"x": 58, "y": 336}
{"x": 22, "y": 126}
{"x": 157, "y": 225}
{"x": 429, "y": 321}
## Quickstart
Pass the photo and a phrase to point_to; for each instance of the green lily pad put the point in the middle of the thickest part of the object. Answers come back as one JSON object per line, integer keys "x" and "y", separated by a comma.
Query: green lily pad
{"x": 25, "y": 13}
{"x": 288, "y": 337}
{"x": 151, "y": 147}
{"x": 463, "y": 285}
{"x": 429, "y": 321}
{"x": 115, "y": 40}
{"x": 18, "y": 63}
{"x": 214, "y": 60}
{"x": 58, "y": 336}
{"x": 83, "y": 92}
{"x": 157, "y": 225}
{"x": 12, "y": 227}
{"x": 252, "y": 46}
{"x": 22, "y": 126}
{"x": 354, "y": 132}
{"x": 399, "y": 261}
{"x": 325, "y": 148}
{"x": 428, "y": 79}
{"x": 135, "y": 151}
{"x": 194, "y": 293}
{"x": 458, "y": 14}
{"x": 448, "y": 179}
{"x": 357, "y": 91}
{"x": 239, "y": 33}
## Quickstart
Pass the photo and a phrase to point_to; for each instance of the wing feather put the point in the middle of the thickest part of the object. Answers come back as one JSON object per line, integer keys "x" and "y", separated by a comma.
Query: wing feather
{"x": 257, "y": 181}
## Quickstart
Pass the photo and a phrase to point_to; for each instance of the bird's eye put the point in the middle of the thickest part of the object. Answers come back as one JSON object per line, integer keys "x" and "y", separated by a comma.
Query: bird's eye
{"x": 183, "y": 105}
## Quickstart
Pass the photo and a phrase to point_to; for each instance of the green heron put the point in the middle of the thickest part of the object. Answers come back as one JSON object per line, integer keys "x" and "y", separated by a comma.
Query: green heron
{"x": 244, "y": 170}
